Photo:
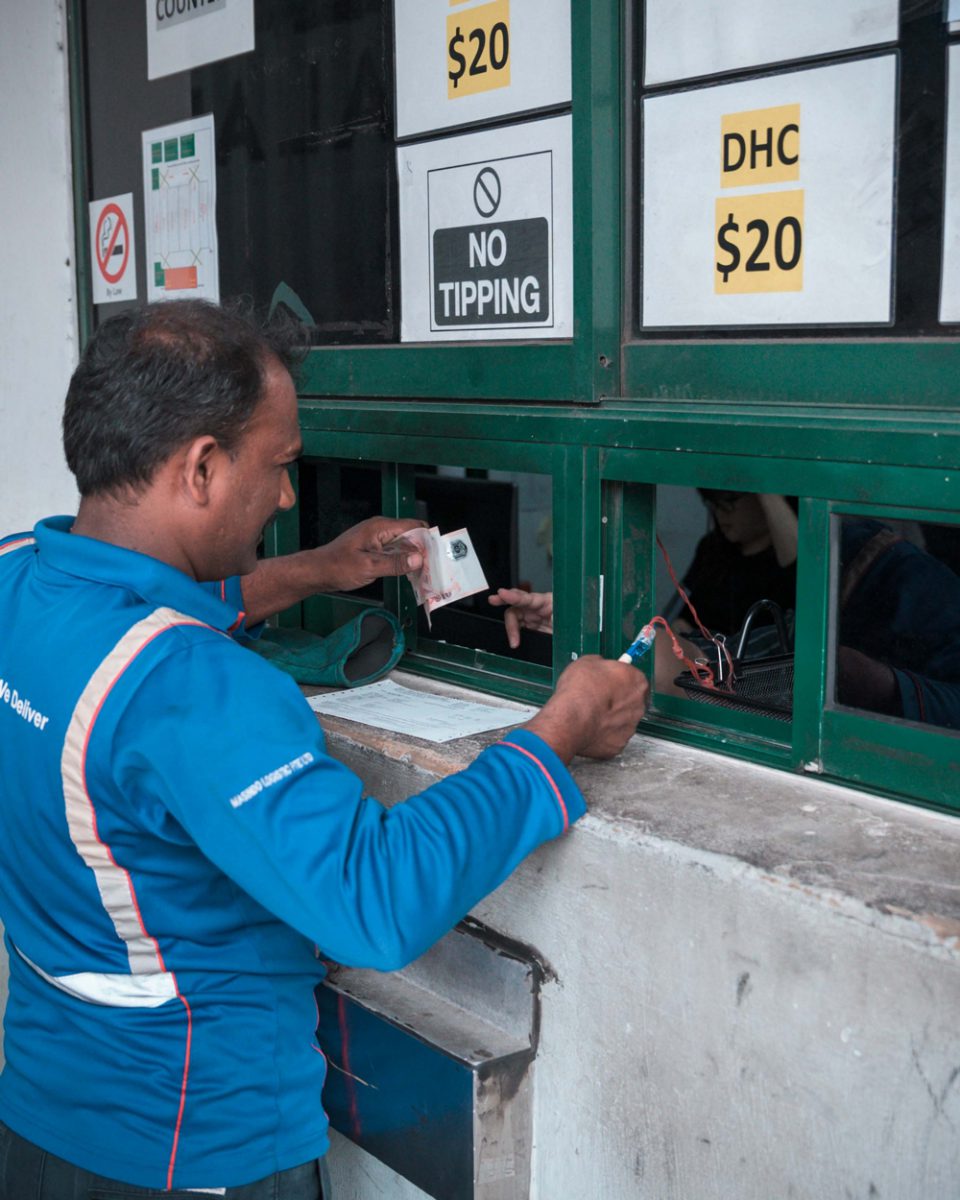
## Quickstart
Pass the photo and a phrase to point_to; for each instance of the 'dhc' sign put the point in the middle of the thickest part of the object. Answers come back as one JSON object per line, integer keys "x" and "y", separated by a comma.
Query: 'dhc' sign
{"x": 492, "y": 274}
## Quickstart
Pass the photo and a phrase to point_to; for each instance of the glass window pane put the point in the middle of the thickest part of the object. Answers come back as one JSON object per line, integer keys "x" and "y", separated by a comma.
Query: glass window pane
{"x": 305, "y": 159}
{"x": 897, "y": 605}
{"x": 335, "y": 496}
{"x": 506, "y": 513}
{"x": 508, "y": 517}
{"x": 734, "y": 555}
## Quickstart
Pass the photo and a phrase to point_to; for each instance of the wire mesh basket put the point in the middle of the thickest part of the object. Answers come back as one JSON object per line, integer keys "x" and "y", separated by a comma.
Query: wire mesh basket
{"x": 760, "y": 685}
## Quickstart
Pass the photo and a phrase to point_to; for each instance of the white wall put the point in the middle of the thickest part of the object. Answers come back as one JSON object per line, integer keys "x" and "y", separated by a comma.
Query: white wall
{"x": 38, "y": 336}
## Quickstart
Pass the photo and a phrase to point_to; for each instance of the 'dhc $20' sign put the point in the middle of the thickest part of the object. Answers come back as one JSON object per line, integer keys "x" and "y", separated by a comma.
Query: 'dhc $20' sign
{"x": 759, "y": 237}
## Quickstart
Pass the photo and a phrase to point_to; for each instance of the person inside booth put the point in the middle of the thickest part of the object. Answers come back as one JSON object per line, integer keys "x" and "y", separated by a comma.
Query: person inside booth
{"x": 749, "y": 554}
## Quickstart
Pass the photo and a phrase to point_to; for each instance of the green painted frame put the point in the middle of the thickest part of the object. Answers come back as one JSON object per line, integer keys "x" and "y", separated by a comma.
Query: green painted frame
{"x": 576, "y": 569}
{"x": 605, "y": 462}
{"x": 864, "y": 374}
{"x": 885, "y": 753}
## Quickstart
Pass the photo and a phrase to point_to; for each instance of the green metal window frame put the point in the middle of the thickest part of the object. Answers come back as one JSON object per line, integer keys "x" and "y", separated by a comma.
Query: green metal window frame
{"x": 605, "y": 463}
{"x": 879, "y": 752}
{"x": 839, "y": 422}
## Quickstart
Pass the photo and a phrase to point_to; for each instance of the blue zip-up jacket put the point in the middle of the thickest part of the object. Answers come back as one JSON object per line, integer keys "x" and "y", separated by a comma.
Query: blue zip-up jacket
{"x": 176, "y": 850}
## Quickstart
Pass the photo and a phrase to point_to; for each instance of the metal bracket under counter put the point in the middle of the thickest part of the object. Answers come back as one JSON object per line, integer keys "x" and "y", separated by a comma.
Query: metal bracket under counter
{"x": 430, "y": 1067}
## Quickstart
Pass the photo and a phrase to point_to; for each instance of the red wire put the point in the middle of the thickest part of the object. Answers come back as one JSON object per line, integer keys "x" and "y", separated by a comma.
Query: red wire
{"x": 702, "y": 673}
{"x": 680, "y": 588}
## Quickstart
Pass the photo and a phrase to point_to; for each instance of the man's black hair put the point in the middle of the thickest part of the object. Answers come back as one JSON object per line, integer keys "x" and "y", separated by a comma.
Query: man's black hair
{"x": 154, "y": 379}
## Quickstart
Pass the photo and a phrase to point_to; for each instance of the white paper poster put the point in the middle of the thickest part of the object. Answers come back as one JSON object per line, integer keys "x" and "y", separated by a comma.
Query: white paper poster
{"x": 950, "y": 277}
{"x": 704, "y": 37}
{"x": 113, "y": 256}
{"x": 486, "y": 236}
{"x": 182, "y": 34}
{"x": 770, "y": 202}
{"x": 180, "y": 211}
{"x": 460, "y": 62}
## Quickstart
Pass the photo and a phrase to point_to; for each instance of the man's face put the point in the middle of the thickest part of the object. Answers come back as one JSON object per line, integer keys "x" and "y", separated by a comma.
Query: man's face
{"x": 258, "y": 476}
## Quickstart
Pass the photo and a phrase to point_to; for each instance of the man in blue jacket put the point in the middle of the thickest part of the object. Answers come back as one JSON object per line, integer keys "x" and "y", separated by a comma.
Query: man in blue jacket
{"x": 177, "y": 850}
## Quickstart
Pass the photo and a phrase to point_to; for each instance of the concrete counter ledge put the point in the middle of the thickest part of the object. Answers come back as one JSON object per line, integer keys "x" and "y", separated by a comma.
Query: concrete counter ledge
{"x": 752, "y": 980}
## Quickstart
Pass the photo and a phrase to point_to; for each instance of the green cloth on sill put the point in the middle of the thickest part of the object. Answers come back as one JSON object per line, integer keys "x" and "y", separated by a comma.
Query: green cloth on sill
{"x": 359, "y": 652}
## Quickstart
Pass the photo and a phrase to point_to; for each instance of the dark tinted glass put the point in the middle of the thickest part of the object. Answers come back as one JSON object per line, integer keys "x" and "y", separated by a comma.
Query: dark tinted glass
{"x": 897, "y": 595}
{"x": 305, "y": 164}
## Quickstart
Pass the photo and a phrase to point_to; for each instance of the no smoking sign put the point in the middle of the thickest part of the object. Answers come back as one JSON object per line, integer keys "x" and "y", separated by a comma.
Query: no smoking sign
{"x": 113, "y": 258}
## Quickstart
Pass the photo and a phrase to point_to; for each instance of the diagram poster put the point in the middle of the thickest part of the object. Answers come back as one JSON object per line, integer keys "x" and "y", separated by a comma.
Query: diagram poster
{"x": 180, "y": 209}
{"x": 950, "y": 278}
{"x": 486, "y": 235}
{"x": 183, "y": 34}
{"x": 690, "y": 38}
{"x": 770, "y": 202}
{"x": 113, "y": 255}
{"x": 467, "y": 61}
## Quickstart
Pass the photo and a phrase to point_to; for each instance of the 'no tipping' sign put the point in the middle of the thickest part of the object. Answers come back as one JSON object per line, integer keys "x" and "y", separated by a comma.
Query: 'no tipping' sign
{"x": 496, "y": 260}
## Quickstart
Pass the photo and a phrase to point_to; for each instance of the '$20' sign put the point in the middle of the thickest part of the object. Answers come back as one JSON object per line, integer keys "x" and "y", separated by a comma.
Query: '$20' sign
{"x": 760, "y": 242}
{"x": 478, "y": 49}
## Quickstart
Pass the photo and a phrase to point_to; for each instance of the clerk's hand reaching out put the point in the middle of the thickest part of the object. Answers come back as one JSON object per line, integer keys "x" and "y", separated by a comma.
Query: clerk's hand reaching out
{"x": 527, "y": 610}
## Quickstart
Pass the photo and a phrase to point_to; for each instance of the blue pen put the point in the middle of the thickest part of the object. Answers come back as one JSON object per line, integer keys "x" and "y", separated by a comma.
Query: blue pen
{"x": 639, "y": 646}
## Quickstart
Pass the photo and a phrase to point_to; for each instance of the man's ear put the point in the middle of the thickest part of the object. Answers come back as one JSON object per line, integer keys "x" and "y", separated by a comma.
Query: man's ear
{"x": 200, "y": 463}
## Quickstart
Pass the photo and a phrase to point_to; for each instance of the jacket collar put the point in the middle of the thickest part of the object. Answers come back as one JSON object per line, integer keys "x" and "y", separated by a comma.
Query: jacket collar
{"x": 156, "y": 582}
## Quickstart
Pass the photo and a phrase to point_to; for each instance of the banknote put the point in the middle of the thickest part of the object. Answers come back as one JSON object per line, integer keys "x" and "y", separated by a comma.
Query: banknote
{"x": 450, "y": 571}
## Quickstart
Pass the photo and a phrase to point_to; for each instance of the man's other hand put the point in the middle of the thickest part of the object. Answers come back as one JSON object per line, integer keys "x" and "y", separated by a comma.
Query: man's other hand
{"x": 594, "y": 710}
{"x": 371, "y": 550}
{"x": 527, "y": 610}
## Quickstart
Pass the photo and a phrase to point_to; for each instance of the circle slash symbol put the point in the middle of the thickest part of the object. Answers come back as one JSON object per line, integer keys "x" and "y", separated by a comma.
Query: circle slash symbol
{"x": 486, "y": 192}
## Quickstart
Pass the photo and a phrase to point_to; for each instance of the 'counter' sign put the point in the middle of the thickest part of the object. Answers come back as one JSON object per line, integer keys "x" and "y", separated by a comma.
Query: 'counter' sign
{"x": 172, "y": 12}
{"x": 497, "y": 257}
{"x": 183, "y": 34}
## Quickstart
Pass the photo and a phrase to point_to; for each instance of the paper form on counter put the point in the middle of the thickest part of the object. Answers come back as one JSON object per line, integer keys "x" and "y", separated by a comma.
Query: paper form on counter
{"x": 388, "y": 705}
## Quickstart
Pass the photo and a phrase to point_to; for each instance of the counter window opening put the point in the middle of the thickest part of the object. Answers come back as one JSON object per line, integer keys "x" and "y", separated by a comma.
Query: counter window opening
{"x": 507, "y": 514}
{"x": 726, "y": 574}
{"x": 715, "y": 568}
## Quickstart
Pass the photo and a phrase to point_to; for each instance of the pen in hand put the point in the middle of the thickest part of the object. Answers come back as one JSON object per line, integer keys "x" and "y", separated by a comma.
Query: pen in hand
{"x": 639, "y": 646}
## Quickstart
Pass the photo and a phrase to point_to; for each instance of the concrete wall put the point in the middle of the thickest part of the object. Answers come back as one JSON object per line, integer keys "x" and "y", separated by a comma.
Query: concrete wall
{"x": 757, "y": 982}
{"x": 38, "y": 338}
